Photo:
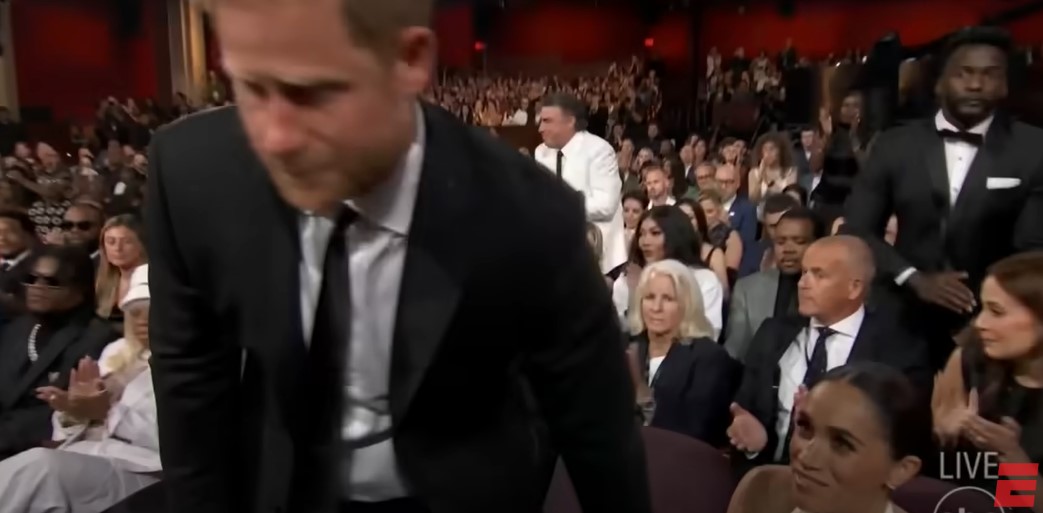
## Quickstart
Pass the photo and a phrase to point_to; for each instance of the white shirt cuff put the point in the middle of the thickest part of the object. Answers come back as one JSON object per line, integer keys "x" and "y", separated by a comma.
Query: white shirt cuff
{"x": 904, "y": 276}
{"x": 752, "y": 455}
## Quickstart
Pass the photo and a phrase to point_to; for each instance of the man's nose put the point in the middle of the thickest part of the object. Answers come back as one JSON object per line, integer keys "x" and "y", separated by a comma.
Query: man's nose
{"x": 282, "y": 133}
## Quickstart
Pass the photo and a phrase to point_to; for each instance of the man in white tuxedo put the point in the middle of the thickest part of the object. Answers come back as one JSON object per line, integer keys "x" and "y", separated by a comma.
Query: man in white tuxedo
{"x": 588, "y": 164}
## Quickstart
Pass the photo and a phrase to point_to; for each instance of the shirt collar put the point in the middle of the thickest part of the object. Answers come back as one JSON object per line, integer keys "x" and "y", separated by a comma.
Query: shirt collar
{"x": 847, "y": 326}
{"x": 943, "y": 124}
{"x": 390, "y": 205}
{"x": 17, "y": 258}
{"x": 573, "y": 145}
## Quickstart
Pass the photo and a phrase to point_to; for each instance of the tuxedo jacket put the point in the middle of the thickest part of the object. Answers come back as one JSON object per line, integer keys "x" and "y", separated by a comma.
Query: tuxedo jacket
{"x": 998, "y": 211}
{"x": 25, "y": 421}
{"x": 879, "y": 340}
{"x": 470, "y": 331}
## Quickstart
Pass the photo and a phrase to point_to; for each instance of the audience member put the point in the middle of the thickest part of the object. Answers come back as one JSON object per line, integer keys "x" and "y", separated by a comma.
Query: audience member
{"x": 966, "y": 188}
{"x": 123, "y": 250}
{"x": 989, "y": 397}
{"x": 788, "y": 353}
{"x": 772, "y": 292}
{"x": 857, "y": 436}
{"x": 17, "y": 238}
{"x": 665, "y": 233}
{"x": 676, "y": 355}
{"x": 721, "y": 234}
{"x": 107, "y": 446}
{"x": 711, "y": 255}
{"x": 587, "y": 163}
{"x": 40, "y": 347}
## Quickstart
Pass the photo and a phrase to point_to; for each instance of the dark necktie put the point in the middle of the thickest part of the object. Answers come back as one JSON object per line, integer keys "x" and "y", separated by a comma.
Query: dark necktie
{"x": 318, "y": 446}
{"x": 962, "y": 135}
{"x": 819, "y": 356}
{"x": 557, "y": 165}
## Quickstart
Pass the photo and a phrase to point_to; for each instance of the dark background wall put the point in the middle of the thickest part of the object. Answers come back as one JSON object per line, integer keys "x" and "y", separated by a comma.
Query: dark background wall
{"x": 70, "y": 53}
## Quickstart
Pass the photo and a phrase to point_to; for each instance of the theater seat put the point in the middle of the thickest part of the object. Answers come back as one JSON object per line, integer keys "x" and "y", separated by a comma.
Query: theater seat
{"x": 151, "y": 499}
{"x": 685, "y": 474}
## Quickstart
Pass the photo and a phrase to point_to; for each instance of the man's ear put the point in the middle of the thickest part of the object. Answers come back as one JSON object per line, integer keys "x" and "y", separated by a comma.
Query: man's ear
{"x": 415, "y": 59}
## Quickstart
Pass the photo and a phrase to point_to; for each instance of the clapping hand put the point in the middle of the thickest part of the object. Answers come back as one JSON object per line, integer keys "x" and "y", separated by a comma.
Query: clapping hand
{"x": 87, "y": 397}
{"x": 1003, "y": 438}
{"x": 746, "y": 432}
{"x": 950, "y": 427}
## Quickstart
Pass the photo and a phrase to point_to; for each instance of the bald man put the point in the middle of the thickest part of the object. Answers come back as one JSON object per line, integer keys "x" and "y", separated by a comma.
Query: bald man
{"x": 833, "y": 328}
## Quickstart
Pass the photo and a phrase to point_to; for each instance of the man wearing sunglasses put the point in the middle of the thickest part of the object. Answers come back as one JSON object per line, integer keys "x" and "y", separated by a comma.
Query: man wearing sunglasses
{"x": 81, "y": 227}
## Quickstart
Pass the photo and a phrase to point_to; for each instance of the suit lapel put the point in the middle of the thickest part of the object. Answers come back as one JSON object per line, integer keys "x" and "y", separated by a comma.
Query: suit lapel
{"x": 54, "y": 347}
{"x": 790, "y": 328}
{"x": 765, "y": 298}
{"x": 274, "y": 251}
{"x": 864, "y": 346}
{"x": 435, "y": 259}
{"x": 986, "y": 161}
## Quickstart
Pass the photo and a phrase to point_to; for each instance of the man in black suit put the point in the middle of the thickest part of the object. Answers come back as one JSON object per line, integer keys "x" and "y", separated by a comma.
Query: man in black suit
{"x": 966, "y": 187}
{"x": 305, "y": 357}
{"x": 789, "y": 354}
{"x": 17, "y": 234}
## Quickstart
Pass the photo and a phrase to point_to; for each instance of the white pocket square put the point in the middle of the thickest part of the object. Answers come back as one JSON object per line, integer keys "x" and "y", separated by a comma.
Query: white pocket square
{"x": 994, "y": 183}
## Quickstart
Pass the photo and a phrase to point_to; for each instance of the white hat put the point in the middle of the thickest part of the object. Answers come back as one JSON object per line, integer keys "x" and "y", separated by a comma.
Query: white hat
{"x": 138, "y": 288}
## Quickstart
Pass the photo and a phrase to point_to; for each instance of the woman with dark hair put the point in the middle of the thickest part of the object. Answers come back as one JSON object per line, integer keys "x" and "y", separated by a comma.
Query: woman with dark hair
{"x": 989, "y": 397}
{"x": 39, "y": 347}
{"x": 663, "y": 233}
{"x": 634, "y": 203}
{"x": 855, "y": 439}
{"x": 711, "y": 255}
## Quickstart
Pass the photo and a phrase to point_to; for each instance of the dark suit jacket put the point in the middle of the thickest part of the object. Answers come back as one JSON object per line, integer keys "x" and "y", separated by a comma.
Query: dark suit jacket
{"x": 906, "y": 174}
{"x": 694, "y": 385}
{"x": 878, "y": 340}
{"x": 25, "y": 421}
{"x": 743, "y": 218}
{"x": 470, "y": 330}
{"x": 13, "y": 289}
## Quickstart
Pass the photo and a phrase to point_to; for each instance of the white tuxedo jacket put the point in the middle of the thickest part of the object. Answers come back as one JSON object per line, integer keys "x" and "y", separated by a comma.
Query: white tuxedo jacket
{"x": 589, "y": 165}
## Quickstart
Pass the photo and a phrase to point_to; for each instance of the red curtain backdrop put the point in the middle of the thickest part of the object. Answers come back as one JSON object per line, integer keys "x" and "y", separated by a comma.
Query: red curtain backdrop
{"x": 68, "y": 55}
{"x": 820, "y": 27}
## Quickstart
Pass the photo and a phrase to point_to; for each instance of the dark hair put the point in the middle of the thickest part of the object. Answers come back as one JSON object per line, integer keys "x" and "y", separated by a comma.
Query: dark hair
{"x": 806, "y": 215}
{"x": 635, "y": 195}
{"x": 700, "y": 216}
{"x": 568, "y": 104}
{"x": 778, "y": 202}
{"x": 1021, "y": 276}
{"x": 800, "y": 190}
{"x": 679, "y": 238}
{"x": 20, "y": 217}
{"x": 782, "y": 144}
{"x": 900, "y": 409}
{"x": 982, "y": 35}
{"x": 75, "y": 268}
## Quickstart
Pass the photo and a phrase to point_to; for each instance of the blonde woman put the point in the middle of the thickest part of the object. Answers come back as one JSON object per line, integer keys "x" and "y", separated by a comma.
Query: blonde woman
{"x": 684, "y": 380}
{"x": 105, "y": 433}
{"x": 122, "y": 251}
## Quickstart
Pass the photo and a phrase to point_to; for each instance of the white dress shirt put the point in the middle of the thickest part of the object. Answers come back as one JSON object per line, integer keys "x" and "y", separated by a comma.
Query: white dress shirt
{"x": 712, "y": 294}
{"x": 794, "y": 364}
{"x": 959, "y": 155}
{"x": 377, "y": 254}
{"x": 589, "y": 165}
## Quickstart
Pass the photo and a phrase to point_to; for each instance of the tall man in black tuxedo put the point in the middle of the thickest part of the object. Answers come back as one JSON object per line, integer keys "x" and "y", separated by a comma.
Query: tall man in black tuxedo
{"x": 966, "y": 187}
{"x": 339, "y": 320}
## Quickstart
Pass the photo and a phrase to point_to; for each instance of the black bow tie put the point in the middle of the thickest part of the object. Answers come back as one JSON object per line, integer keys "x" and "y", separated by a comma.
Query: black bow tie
{"x": 962, "y": 135}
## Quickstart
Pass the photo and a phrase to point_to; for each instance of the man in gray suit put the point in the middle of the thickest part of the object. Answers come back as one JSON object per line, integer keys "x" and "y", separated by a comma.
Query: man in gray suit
{"x": 771, "y": 293}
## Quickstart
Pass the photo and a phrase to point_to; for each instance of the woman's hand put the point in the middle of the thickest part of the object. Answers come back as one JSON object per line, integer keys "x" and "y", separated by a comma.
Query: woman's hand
{"x": 55, "y": 397}
{"x": 950, "y": 426}
{"x": 825, "y": 119}
{"x": 1003, "y": 438}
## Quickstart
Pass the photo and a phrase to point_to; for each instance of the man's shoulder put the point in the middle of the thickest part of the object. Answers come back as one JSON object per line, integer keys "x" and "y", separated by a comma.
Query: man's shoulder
{"x": 201, "y": 126}
{"x": 595, "y": 144}
{"x": 756, "y": 280}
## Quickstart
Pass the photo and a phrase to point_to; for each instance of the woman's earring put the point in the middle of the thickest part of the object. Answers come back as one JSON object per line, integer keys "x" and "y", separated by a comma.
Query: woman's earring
{"x": 889, "y": 487}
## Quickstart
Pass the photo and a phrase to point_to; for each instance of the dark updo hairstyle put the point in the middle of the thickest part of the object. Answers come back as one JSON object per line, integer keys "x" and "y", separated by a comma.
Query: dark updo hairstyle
{"x": 679, "y": 238}
{"x": 900, "y": 409}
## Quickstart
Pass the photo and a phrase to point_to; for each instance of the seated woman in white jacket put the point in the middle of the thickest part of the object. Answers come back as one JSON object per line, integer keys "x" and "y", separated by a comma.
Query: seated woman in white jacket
{"x": 665, "y": 233}
{"x": 105, "y": 438}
